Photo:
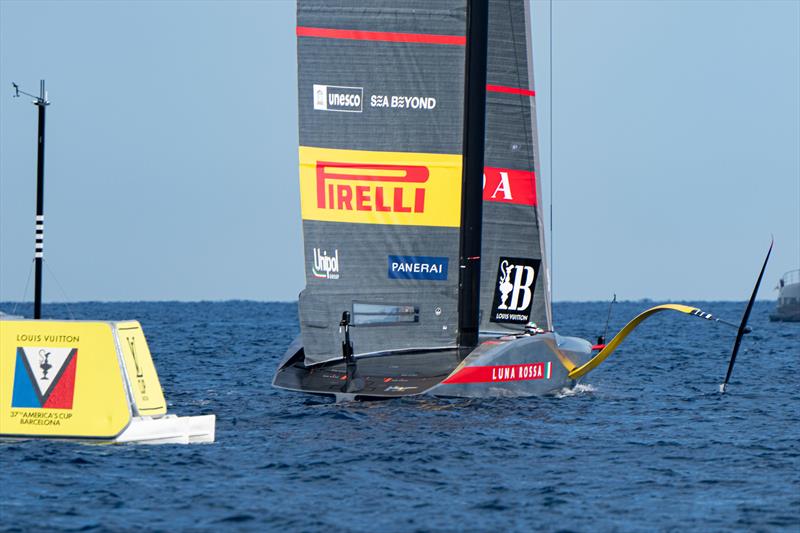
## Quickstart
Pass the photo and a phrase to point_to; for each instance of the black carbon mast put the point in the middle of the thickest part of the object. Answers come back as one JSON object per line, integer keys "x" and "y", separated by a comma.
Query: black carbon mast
{"x": 472, "y": 178}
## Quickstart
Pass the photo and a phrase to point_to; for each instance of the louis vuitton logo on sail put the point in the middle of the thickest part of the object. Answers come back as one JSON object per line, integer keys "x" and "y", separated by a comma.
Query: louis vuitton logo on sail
{"x": 513, "y": 296}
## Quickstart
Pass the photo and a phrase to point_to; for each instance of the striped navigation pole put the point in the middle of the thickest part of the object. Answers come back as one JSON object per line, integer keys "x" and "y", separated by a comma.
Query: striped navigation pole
{"x": 42, "y": 103}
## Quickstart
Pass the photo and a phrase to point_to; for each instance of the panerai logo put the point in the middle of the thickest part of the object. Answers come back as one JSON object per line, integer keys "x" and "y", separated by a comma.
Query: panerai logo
{"x": 513, "y": 295}
{"x": 334, "y": 98}
{"x": 417, "y": 267}
{"x": 326, "y": 266}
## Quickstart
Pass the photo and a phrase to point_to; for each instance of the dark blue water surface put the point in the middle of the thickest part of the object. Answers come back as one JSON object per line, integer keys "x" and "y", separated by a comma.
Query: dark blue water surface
{"x": 646, "y": 443}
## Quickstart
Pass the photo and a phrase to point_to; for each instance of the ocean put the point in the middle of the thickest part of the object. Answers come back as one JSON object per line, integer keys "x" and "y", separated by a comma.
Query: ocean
{"x": 646, "y": 442}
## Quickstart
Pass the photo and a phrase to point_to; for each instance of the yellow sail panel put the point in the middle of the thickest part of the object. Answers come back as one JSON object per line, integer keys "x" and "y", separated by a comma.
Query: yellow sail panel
{"x": 61, "y": 379}
{"x": 395, "y": 188}
{"x": 141, "y": 372}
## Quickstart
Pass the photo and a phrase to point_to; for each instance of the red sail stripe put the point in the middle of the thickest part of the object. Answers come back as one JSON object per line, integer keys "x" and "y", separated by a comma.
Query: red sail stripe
{"x": 393, "y": 37}
{"x": 509, "y": 90}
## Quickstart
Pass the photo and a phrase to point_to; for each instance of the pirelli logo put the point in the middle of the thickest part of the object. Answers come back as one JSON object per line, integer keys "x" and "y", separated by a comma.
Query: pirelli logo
{"x": 396, "y": 188}
{"x": 349, "y": 186}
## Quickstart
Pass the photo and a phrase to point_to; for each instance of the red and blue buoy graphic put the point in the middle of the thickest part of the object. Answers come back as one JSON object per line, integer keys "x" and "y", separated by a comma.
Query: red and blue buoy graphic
{"x": 44, "y": 378}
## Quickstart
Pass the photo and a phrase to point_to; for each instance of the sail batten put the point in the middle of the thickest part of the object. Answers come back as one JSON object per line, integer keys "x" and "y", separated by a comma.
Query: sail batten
{"x": 386, "y": 36}
{"x": 510, "y": 90}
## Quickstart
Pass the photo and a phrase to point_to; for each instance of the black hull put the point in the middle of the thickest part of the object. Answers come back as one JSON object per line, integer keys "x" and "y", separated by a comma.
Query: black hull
{"x": 382, "y": 377}
{"x": 522, "y": 365}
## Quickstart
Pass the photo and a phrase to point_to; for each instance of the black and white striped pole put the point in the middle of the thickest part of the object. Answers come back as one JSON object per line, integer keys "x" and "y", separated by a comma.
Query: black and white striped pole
{"x": 42, "y": 103}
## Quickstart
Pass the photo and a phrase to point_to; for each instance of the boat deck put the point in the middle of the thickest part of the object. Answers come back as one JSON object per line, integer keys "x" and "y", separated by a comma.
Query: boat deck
{"x": 383, "y": 376}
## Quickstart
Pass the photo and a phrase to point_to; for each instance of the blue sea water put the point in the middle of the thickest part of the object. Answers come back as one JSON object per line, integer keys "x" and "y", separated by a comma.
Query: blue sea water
{"x": 645, "y": 443}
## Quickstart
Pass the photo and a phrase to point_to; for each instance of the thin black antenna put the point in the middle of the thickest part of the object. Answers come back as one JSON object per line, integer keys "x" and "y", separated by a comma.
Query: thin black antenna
{"x": 42, "y": 103}
{"x": 552, "y": 257}
{"x": 472, "y": 179}
{"x": 602, "y": 340}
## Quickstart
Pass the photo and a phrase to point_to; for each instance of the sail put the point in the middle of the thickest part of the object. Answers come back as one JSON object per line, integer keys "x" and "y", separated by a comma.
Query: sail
{"x": 514, "y": 278}
{"x": 380, "y": 92}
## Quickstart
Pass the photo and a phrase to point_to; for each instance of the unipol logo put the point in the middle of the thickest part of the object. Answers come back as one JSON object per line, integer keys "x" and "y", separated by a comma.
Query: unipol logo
{"x": 513, "y": 295}
{"x": 336, "y": 98}
{"x": 325, "y": 266}
{"x": 370, "y": 187}
{"x": 509, "y": 186}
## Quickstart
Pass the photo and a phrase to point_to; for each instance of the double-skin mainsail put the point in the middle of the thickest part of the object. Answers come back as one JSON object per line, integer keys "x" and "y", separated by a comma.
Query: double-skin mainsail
{"x": 395, "y": 99}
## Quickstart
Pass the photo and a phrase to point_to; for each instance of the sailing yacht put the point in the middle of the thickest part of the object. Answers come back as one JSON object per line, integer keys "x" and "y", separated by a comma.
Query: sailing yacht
{"x": 425, "y": 260}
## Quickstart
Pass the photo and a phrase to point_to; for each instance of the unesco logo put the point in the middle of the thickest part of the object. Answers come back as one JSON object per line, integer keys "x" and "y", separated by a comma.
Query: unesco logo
{"x": 337, "y": 98}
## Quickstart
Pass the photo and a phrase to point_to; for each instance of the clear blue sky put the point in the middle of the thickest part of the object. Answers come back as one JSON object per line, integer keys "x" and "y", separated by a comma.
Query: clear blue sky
{"x": 172, "y": 147}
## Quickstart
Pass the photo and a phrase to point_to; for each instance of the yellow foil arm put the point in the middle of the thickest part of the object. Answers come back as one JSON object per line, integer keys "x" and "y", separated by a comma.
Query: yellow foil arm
{"x": 624, "y": 332}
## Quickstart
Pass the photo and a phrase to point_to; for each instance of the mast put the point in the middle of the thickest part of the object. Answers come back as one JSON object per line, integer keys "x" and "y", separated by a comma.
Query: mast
{"x": 42, "y": 103}
{"x": 472, "y": 178}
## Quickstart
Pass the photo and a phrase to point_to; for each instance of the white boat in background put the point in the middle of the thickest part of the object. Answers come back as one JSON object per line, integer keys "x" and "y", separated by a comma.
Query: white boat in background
{"x": 787, "y": 309}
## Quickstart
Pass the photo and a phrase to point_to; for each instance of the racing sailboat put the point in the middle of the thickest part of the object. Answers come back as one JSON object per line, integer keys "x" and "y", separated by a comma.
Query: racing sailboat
{"x": 424, "y": 246}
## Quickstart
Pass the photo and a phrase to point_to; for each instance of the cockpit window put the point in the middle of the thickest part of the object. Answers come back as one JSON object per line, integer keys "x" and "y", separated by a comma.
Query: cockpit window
{"x": 365, "y": 314}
